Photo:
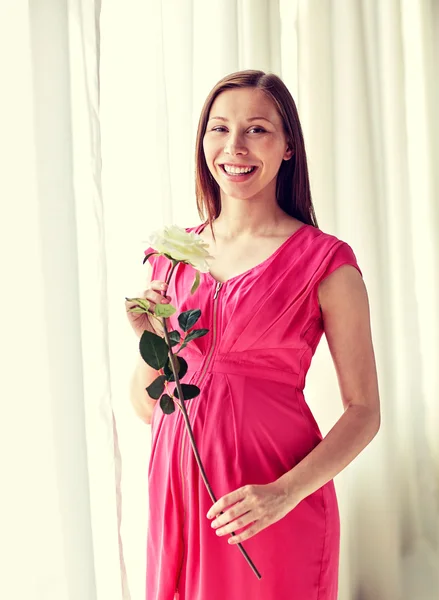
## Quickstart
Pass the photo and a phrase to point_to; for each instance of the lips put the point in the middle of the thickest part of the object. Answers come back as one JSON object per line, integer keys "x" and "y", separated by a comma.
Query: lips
{"x": 238, "y": 177}
{"x": 252, "y": 167}
{"x": 237, "y": 166}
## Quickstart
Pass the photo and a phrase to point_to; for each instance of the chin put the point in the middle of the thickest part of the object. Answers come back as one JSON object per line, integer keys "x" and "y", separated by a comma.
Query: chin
{"x": 244, "y": 195}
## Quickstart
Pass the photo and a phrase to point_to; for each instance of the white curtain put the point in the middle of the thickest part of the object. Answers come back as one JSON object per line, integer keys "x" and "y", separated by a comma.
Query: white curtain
{"x": 127, "y": 82}
{"x": 367, "y": 91}
{"x": 58, "y": 534}
{"x": 372, "y": 133}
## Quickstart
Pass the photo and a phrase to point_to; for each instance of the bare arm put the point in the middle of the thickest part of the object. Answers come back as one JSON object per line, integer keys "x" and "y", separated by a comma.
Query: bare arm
{"x": 142, "y": 376}
{"x": 345, "y": 308}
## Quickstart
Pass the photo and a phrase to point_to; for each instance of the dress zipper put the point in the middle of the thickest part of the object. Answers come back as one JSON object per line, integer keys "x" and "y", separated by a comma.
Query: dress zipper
{"x": 215, "y": 296}
{"x": 218, "y": 286}
{"x": 217, "y": 289}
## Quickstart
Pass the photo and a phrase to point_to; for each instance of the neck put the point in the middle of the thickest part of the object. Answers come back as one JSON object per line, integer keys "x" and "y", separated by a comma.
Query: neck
{"x": 248, "y": 217}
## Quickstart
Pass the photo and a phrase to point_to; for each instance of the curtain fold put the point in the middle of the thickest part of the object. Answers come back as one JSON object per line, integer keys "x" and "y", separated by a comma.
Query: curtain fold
{"x": 46, "y": 540}
{"x": 374, "y": 187}
{"x": 104, "y": 464}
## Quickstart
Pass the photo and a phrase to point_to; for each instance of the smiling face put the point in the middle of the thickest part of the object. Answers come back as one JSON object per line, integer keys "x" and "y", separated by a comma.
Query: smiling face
{"x": 245, "y": 133}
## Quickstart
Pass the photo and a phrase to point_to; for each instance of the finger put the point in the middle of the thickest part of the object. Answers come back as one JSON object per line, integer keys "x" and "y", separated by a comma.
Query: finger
{"x": 238, "y": 523}
{"x": 152, "y": 297}
{"x": 163, "y": 299}
{"x": 153, "y": 292}
{"x": 247, "y": 533}
{"x": 221, "y": 504}
{"x": 229, "y": 515}
{"x": 158, "y": 285}
{"x": 157, "y": 292}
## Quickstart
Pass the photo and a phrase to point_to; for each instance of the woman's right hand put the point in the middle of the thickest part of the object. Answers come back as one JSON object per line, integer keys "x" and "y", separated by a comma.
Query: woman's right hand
{"x": 141, "y": 321}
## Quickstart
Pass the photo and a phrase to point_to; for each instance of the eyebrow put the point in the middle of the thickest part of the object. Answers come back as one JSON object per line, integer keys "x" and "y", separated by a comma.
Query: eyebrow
{"x": 251, "y": 119}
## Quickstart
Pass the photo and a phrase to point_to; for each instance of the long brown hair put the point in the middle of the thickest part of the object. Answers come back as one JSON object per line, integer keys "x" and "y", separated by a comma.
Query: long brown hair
{"x": 293, "y": 193}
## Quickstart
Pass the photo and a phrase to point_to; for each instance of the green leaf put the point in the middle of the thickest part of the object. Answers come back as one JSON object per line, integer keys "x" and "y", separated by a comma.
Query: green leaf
{"x": 196, "y": 282}
{"x": 155, "y": 389}
{"x": 153, "y": 349}
{"x": 137, "y": 310}
{"x": 174, "y": 338}
{"x": 142, "y": 302}
{"x": 188, "y": 318}
{"x": 195, "y": 333}
{"x": 167, "y": 404}
{"x": 189, "y": 391}
{"x": 182, "y": 368}
{"x": 164, "y": 310}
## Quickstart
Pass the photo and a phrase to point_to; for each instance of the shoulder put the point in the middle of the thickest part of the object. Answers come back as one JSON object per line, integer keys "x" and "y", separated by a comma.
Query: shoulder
{"x": 327, "y": 240}
{"x": 341, "y": 289}
{"x": 330, "y": 252}
{"x": 332, "y": 265}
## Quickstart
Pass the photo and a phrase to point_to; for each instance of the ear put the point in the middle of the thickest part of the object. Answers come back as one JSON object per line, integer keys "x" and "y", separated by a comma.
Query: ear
{"x": 288, "y": 152}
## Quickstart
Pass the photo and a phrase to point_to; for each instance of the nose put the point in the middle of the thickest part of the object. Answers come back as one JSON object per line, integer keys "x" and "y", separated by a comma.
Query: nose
{"x": 234, "y": 145}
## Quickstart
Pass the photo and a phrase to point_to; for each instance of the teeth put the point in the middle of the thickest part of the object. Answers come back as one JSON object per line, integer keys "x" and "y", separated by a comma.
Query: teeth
{"x": 237, "y": 170}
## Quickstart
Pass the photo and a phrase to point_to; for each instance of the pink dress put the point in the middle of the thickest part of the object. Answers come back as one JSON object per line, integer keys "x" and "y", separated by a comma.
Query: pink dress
{"x": 251, "y": 424}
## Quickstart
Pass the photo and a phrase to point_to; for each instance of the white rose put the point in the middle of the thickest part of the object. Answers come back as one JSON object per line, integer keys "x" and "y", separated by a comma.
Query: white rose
{"x": 181, "y": 246}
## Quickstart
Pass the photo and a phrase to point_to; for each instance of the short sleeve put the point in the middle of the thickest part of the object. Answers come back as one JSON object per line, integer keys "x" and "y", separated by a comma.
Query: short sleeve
{"x": 342, "y": 254}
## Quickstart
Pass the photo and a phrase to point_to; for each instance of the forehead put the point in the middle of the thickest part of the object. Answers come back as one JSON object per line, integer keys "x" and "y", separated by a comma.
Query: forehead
{"x": 244, "y": 103}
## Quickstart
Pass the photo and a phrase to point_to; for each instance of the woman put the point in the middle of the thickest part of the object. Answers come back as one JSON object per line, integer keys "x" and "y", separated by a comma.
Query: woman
{"x": 276, "y": 282}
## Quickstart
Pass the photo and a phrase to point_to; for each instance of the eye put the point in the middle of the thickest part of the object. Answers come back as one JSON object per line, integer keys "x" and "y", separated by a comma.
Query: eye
{"x": 220, "y": 129}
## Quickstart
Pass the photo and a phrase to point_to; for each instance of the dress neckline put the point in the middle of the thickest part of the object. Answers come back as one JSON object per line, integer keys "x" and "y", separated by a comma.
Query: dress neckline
{"x": 259, "y": 265}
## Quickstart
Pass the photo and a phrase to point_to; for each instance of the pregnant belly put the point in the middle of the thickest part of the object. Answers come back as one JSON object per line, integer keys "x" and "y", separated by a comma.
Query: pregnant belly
{"x": 253, "y": 428}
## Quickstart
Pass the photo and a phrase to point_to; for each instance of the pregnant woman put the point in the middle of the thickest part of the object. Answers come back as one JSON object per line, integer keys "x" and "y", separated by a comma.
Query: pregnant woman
{"x": 276, "y": 283}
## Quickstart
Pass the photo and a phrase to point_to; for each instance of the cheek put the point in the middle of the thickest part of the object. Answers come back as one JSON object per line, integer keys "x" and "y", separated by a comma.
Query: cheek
{"x": 209, "y": 155}
{"x": 209, "y": 151}
{"x": 270, "y": 146}
{"x": 272, "y": 153}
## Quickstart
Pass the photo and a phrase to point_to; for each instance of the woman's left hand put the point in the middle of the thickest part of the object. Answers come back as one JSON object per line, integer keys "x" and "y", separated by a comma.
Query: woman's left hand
{"x": 261, "y": 505}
